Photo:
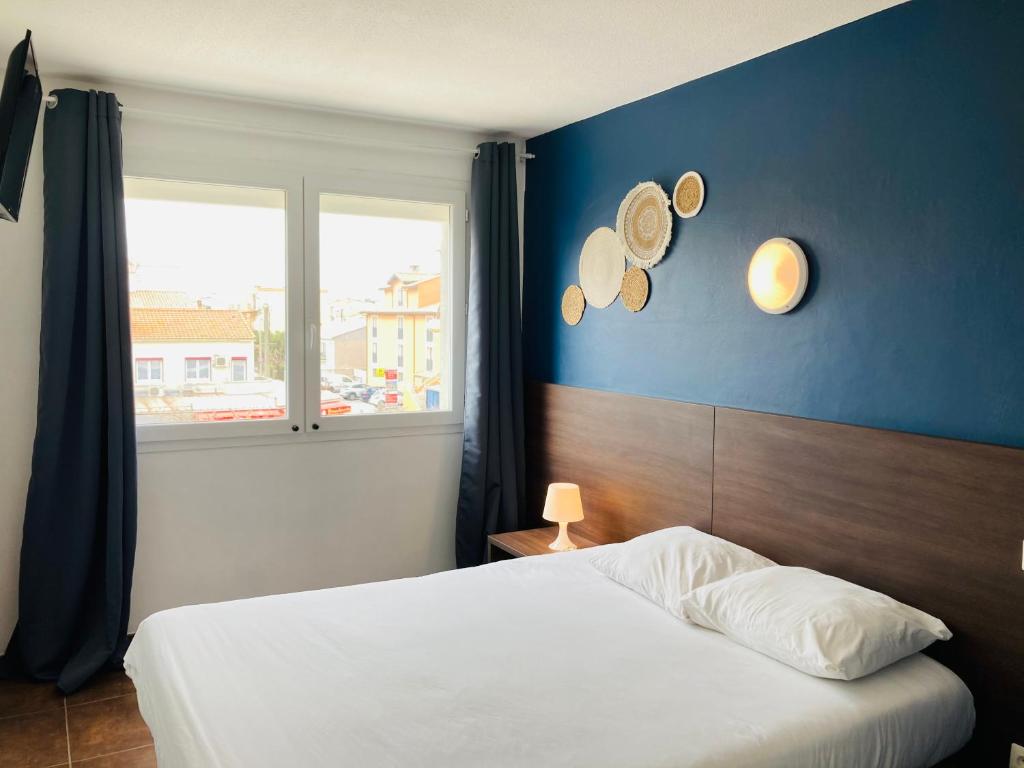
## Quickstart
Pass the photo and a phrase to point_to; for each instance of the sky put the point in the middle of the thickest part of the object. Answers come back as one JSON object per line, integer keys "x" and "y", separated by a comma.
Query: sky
{"x": 221, "y": 252}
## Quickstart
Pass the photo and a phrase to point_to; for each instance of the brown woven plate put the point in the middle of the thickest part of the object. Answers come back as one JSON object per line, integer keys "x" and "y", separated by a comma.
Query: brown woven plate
{"x": 636, "y": 287}
{"x": 573, "y": 304}
{"x": 688, "y": 196}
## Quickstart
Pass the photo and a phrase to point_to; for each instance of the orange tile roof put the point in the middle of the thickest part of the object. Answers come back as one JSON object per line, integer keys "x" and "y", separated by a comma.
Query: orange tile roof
{"x": 155, "y": 299}
{"x": 192, "y": 324}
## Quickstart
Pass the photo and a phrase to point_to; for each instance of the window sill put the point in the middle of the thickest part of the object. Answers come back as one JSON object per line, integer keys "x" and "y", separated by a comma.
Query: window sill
{"x": 299, "y": 438}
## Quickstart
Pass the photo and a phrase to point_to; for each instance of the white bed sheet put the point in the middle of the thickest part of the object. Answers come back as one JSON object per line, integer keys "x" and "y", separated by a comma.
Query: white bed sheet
{"x": 540, "y": 661}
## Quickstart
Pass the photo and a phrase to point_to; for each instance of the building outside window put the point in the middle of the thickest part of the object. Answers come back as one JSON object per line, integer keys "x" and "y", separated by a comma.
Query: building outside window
{"x": 239, "y": 369}
{"x": 409, "y": 338}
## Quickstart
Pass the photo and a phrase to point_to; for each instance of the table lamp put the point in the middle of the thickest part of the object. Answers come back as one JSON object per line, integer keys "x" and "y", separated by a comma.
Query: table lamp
{"x": 563, "y": 506}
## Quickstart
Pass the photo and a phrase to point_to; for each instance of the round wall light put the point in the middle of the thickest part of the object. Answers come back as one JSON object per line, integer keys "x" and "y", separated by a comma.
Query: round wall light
{"x": 777, "y": 277}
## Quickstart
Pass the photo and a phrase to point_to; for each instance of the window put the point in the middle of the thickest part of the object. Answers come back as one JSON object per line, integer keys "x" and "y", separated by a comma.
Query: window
{"x": 197, "y": 369}
{"x": 390, "y": 259}
{"x": 430, "y": 359}
{"x": 278, "y": 304}
{"x": 149, "y": 370}
{"x": 207, "y": 293}
{"x": 430, "y": 335}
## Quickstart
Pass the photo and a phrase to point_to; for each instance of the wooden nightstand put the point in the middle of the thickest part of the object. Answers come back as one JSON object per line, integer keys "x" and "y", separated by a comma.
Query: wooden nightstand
{"x": 505, "y": 546}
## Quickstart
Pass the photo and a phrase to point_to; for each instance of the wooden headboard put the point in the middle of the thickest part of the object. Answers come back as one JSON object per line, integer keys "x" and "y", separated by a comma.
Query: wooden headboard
{"x": 935, "y": 523}
{"x": 642, "y": 464}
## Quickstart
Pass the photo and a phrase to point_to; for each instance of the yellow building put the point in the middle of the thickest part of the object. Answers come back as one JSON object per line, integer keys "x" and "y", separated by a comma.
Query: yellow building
{"x": 403, "y": 333}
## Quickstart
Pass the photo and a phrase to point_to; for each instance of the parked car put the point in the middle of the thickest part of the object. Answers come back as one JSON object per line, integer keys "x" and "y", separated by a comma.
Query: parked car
{"x": 336, "y": 382}
{"x": 353, "y": 392}
{"x": 378, "y": 398}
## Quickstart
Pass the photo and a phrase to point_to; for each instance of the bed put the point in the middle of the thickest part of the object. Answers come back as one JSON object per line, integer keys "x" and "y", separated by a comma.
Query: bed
{"x": 540, "y": 661}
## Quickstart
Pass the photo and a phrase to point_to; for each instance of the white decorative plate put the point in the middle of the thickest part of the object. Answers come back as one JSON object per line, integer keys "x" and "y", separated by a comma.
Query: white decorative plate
{"x": 688, "y": 195}
{"x": 644, "y": 224}
{"x": 602, "y": 264}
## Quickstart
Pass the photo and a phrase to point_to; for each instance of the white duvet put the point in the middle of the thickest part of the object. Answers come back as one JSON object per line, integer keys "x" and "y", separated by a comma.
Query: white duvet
{"x": 540, "y": 661}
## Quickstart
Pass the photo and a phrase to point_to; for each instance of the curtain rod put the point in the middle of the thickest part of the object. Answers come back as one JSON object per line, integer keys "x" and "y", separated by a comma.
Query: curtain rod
{"x": 52, "y": 101}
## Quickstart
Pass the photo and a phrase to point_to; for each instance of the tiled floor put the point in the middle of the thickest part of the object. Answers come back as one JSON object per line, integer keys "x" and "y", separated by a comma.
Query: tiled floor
{"x": 97, "y": 727}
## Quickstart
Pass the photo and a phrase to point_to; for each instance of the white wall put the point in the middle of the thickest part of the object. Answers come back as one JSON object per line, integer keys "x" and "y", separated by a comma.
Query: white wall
{"x": 21, "y": 261}
{"x": 223, "y": 523}
{"x": 174, "y": 354}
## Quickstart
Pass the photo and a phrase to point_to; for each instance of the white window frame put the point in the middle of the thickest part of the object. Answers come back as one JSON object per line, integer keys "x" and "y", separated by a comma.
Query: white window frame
{"x": 149, "y": 380}
{"x": 199, "y": 379}
{"x": 245, "y": 369}
{"x": 236, "y": 174}
{"x": 453, "y": 297}
{"x": 302, "y": 301}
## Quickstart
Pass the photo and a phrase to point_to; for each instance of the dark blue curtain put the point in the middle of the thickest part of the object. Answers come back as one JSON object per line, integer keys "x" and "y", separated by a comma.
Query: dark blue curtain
{"x": 491, "y": 488}
{"x": 78, "y": 545}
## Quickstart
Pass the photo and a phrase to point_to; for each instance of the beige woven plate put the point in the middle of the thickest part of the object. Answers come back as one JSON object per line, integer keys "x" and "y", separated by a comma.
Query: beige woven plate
{"x": 636, "y": 287}
{"x": 573, "y": 304}
{"x": 644, "y": 224}
{"x": 688, "y": 196}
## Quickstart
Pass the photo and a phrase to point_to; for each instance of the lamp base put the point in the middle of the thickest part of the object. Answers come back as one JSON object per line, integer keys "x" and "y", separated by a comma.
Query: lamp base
{"x": 563, "y": 543}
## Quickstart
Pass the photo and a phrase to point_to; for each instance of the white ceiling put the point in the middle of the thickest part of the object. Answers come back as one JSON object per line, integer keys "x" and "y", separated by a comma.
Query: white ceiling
{"x": 518, "y": 66}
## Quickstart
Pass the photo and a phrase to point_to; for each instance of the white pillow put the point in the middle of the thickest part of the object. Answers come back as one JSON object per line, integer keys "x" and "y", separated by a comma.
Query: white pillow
{"x": 665, "y": 565}
{"x": 818, "y": 624}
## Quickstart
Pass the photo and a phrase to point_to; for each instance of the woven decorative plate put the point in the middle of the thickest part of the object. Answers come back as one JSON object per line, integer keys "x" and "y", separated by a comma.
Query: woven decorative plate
{"x": 636, "y": 287}
{"x": 602, "y": 264}
{"x": 644, "y": 224}
{"x": 573, "y": 304}
{"x": 688, "y": 195}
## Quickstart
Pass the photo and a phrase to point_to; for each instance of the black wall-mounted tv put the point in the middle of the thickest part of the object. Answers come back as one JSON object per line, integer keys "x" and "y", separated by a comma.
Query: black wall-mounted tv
{"x": 19, "y": 111}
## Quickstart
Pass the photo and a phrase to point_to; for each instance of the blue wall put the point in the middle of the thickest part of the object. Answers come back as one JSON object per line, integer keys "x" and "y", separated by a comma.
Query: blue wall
{"x": 892, "y": 149}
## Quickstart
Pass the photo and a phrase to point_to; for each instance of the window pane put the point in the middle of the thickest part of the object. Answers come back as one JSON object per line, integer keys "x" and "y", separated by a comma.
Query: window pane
{"x": 383, "y": 272}
{"x": 147, "y": 370}
{"x": 207, "y": 266}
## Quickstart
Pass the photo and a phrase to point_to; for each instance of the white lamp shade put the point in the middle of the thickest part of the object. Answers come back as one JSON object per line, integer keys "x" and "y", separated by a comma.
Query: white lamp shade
{"x": 777, "y": 277}
{"x": 563, "y": 503}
